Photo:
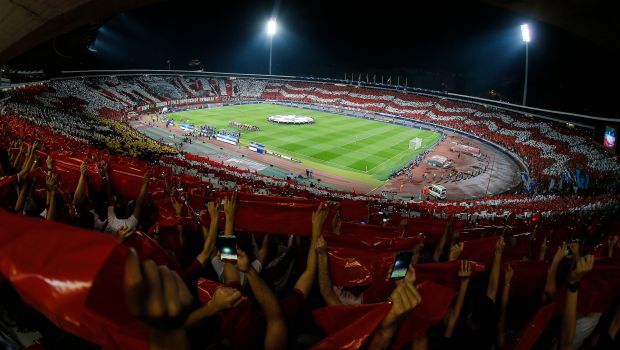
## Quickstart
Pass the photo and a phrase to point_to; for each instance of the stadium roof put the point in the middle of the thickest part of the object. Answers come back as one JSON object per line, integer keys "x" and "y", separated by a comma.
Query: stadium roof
{"x": 27, "y": 23}
{"x": 597, "y": 21}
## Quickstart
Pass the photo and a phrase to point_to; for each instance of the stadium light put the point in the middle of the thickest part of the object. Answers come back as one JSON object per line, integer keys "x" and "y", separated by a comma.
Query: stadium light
{"x": 525, "y": 35}
{"x": 272, "y": 26}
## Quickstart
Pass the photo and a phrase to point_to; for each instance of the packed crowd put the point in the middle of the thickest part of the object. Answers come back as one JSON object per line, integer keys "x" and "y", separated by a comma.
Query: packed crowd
{"x": 305, "y": 274}
{"x": 549, "y": 149}
{"x": 314, "y": 267}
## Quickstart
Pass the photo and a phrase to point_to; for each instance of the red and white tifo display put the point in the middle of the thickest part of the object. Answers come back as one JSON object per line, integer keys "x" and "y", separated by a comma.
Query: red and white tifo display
{"x": 290, "y": 119}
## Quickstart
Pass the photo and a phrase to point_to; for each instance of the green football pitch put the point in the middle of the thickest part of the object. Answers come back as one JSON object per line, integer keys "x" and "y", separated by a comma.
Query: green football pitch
{"x": 359, "y": 149}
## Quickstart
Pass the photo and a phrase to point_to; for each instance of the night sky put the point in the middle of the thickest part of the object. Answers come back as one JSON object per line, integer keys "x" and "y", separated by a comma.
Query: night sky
{"x": 458, "y": 46}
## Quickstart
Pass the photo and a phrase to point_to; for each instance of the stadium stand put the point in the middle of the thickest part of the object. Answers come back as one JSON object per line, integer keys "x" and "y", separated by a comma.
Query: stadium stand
{"x": 113, "y": 234}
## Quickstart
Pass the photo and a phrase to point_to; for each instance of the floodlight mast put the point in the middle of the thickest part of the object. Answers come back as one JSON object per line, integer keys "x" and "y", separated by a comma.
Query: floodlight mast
{"x": 271, "y": 31}
{"x": 525, "y": 35}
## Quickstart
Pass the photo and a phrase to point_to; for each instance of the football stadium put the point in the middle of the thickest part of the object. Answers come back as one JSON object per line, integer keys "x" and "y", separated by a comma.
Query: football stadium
{"x": 267, "y": 175}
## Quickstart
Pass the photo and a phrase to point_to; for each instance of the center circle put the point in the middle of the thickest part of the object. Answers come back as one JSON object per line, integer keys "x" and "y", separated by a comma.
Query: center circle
{"x": 290, "y": 119}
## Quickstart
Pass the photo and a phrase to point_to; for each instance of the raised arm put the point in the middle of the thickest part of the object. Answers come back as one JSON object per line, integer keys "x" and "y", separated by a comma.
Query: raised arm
{"x": 455, "y": 312}
{"x": 210, "y": 234}
{"x": 611, "y": 243}
{"x": 543, "y": 250}
{"x": 501, "y": 323}
{"x": 305, "y": 281}
{"x": 78, "y": 196}
{"x": 18, "y": 156}
{"x": 404, "y": 298}
{"x": 494, "y": 277}
{"x": 142, "y": 196}
{"x": 231, "y": 274}
{"x": 325, "y": 281}
{"x": 569, "y": 322}
{"x": 276, "y": 334}
{"x": 455, "y": 251}
{"x": 107, "y": 182}
{"x": 442, "y": 241}
{"x": 178, "y": 210}
{"x": 337, "y": 222}
{"x": 51, "y": 194}
{"x": 159, "y": 298}
{"x": 223, "y": 298}
{"x": 30, "y": 162}
{"x": 550, "y": 284}
{"x": 416, "y": 253}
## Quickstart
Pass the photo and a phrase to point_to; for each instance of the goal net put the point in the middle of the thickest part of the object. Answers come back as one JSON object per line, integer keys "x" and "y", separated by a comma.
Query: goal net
{"x": 415, "y": 143}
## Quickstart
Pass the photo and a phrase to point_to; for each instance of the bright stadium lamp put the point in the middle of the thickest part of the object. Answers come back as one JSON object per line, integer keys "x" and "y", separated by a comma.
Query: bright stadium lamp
{"x": 271, "y": 27}
{"x": 271, "y": 31}
{"x": 525, "y": 35}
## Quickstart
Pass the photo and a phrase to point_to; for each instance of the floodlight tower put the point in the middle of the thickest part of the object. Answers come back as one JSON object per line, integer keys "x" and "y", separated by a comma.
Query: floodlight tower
{"x": 271, "y": 31}
{"x": 525, "y": 35}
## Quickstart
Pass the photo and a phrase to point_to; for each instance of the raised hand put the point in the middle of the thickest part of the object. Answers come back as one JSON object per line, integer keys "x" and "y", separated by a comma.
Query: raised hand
{"x": 404, "y": 298}
{"x": 156, "y": 295}
{"x": 559, "y": 254}
{"x": 410, "y": 277}
{"x": 177, "y": 205}
{"x": 124, "y": 233}
{"x": 319, "y": 216}
{"x": 50, "y": 162}
{"x": 455, "y": 251}
{"x": 418, "y": 248}
{"x": 465, "y": 270}
{"x": 50, "y": 181}
{"x": 225, "y": 298}
{"x": 146, "y": 177}
{"x": 104, "y": 168}
{"x": 500, "y": 245}
{"x": 574, "y": 248}
{"x": 583, "y": 266}
{"x": 230, "y": 205}
{"x": 321, "y": 245}
{"x": 214, "y": 209}
{"x": 243, "y": 262}
{"x": 83, "y": 168}
{"x": 543, "y": 249}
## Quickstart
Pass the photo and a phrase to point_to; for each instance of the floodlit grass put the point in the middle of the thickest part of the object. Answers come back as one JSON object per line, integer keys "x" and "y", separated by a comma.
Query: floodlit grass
{"x": 354, "y": 148}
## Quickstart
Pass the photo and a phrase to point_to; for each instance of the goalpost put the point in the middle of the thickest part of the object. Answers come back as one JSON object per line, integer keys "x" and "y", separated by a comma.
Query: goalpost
{"x": 415, "y": 143}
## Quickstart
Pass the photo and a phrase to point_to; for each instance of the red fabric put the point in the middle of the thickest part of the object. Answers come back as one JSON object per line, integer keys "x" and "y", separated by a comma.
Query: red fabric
{"x": 528, "y": 281}
{"x": 436, "y": 299}
{"x": 350, "y": 326}
{"x": 444, "y": 273}
{"x": 256, "y": 214}
{"x": 530, "y": 333}
{"x": 481, "y": 250}
{"x": 348, "y": 228}
{"x": 351, "y": 210}
{"x": 353, "y": 266}
{"x": 365, "y": 240}
{"x": 148, "y": 249}
{"x": 57, "y": 269}
{"x": 600, "y": 287}
{"x": 431, "y": 227}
